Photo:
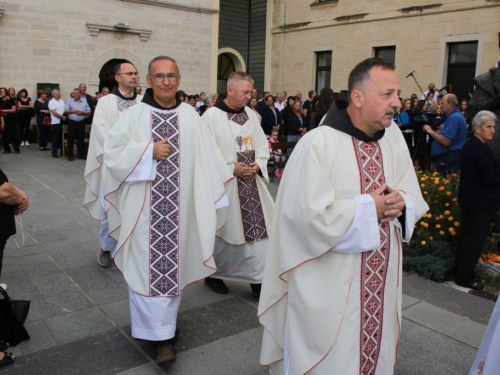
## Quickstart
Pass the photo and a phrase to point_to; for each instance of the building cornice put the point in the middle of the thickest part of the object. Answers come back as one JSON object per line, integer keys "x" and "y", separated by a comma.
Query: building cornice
{"x": 377, "y": 17}
{"x": 95, "y": 28}
{"x": 171, "y": 5}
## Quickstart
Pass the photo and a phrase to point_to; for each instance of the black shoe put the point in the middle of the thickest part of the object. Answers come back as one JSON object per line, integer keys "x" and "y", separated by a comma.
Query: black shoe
{"x": 256, "y": 290}
{"x": 70, "y": 158}
{"x": 216, "y": 285}
{"x": 6, "y": 152}
{"x": 17, "y": 152}
{"x": 82, "y": 157}
{"x": 55, "y": 156}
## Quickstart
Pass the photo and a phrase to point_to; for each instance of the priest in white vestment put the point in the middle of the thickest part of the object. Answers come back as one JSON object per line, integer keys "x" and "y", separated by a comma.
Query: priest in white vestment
{"x": 109, "y": 110}
{"x": 163, "y": 181}
{"x": 331, "y": 295}
{"x": 242, "y": 241}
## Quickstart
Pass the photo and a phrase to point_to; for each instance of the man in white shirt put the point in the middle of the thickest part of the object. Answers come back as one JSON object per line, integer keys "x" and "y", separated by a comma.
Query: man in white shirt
{"x": 56, "y": 108}
{"x": 280, "y": 104}
{"x": 431, "y": 88}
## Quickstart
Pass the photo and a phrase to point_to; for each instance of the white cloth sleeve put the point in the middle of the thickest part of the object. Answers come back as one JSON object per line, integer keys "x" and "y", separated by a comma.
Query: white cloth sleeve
{"x": 409, "y": 218}
{"x": 231, "y": 168}
{"x": 145, "y": 170}
{"x": 363, "y": 234}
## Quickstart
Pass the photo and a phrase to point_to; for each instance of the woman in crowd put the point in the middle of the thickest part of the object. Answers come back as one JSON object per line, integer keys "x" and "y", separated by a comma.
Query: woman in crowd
{"x": 25, "y": 108}
{"x": 253, "y": 107}
{"x": 414, "y": 103}
{"x": 181, "y": 94}
{"x": 404, "y": 125}
{"x": 296, "y": 124}
{"x": 287, "y": 110}
{"x": 464, "y": 105}
{"x": 209, "y": 103}
{"x": 10, "y": 134}
{"x": 12, "y": 92}
{"x": 42, "y": 111}
{"x": 192, "y": 103}
{"x": 271, "y": 117}
{"x": 201, "y": 100}
{"x": 325, "y": 99}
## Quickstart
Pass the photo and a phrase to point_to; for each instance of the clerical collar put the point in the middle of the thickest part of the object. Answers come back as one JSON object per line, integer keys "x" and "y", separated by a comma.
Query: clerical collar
{"x": 338, "y": 118}
{"x": 116, "y": 91}
{"x": 149, "y": 100}
{"x": 221, "y": 104}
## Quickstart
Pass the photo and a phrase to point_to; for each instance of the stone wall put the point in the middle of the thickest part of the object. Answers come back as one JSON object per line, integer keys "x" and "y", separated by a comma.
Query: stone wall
{"x": 351, "y": 29}
{"x": 49, "y": 41}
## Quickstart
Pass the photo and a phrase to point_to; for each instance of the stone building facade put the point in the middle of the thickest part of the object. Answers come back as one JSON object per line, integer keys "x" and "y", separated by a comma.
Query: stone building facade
{"x": 68, "y": 42}
{"x": 318, "y": 42}
{"x": 49, "y": 43}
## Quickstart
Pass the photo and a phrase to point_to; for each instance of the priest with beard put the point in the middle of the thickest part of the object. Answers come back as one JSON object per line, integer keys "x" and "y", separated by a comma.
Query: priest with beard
{"x": 111, "y": 108}
{"x": 331, "y": 295}
{"x": 242, "y": 240}
{"x": 163, "y": 181}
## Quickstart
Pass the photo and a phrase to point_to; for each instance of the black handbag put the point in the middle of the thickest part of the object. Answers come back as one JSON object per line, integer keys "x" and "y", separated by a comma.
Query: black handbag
{"x": 13, "y": 314}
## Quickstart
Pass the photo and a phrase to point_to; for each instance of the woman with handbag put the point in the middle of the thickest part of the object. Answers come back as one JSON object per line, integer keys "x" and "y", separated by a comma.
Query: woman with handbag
{"x": 25, "y": 110}
{"x": 42, "y": 118}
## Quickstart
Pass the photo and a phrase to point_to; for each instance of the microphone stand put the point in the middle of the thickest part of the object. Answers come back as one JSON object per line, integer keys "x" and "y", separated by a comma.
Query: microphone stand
{"x": 422, "y": 91}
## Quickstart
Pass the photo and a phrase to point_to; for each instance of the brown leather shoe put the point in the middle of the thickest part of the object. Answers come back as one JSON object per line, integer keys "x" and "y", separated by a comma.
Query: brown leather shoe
{"x": 165, "y": 354}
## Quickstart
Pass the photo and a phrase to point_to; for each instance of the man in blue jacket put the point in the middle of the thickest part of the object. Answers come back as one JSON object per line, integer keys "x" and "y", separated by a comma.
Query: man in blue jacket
{"x": 450, "y": 139}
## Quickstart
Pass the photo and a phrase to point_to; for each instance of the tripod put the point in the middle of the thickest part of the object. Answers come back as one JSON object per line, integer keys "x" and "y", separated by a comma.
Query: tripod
{"x": 421, "y": 148}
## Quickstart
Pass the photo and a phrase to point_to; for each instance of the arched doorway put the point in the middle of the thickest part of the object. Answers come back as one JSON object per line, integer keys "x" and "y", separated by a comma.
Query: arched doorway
{"x": 229, "y": 61}
{"x": 107, "y": 74}
{"x": 225, "y": 66}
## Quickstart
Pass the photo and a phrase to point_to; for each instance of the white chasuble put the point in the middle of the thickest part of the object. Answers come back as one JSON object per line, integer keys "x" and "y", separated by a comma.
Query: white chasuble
{"x": 328, "y": 312}
{"x": 165, "y": 224}
{"x": 487, "y": 360}
{"x": 242, "y": 240}
{"x": 107, "y": 112}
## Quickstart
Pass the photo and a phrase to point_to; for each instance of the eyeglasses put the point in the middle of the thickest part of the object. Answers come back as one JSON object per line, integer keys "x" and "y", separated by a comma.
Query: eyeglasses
{"x": 130, "y": 74}
{"x": 160, "y": 77}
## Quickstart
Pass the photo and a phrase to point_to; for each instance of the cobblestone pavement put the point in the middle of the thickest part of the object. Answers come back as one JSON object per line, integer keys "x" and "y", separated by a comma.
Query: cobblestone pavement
{"x": 79, "y": 319}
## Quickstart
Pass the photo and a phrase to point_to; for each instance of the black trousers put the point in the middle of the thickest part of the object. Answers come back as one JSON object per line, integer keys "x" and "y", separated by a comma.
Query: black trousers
{"x": 24, "y": 127}
{"x": 76, "y": 130}
{"x": 2, "y": 248}
{"x": 56, "y": 138}
{"x": 10, "y": 134}
{"x": 475, "y": 227}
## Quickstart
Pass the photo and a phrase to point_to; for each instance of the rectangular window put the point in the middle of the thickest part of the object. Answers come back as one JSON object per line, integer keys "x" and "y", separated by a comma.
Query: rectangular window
{"x": 387, "y": 53}
{"x": 323, "y": 70}
{"x": 462, "y": 68}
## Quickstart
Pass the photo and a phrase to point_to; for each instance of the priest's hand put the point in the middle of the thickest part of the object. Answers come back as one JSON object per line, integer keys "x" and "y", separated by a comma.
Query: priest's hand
{"x": 251, "y": 170}
{"x": 239, "y": 170}
{"x": 161, "y": 150}
{"x": 388, "y": 203}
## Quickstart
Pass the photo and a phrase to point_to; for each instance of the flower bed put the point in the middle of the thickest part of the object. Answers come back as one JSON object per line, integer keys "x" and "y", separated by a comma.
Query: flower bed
{"x": 431, "y": 252}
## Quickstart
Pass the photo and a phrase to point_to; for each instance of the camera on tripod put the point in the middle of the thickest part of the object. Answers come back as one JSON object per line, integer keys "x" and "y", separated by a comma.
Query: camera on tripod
{"x": 418, "y": 119}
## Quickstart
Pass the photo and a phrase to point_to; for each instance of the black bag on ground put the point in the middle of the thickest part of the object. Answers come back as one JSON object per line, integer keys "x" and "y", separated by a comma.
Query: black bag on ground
{"x": 13, "y": 314}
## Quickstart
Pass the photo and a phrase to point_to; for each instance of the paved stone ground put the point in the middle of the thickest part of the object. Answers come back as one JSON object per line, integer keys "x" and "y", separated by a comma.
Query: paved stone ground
{"x": 79, "y": 318}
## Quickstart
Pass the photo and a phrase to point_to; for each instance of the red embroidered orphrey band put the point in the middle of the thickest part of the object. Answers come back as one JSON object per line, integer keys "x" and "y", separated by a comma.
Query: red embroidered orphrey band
{"x": 374, "y": 263}
{"x": 252, "y": 215}
{"x": 164, "y": 232}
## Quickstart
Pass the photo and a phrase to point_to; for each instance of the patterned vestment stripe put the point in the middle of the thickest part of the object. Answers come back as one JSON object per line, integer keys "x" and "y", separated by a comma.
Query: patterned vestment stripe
{"x": 374, "y": 263}
{"x": 164, "y": 229}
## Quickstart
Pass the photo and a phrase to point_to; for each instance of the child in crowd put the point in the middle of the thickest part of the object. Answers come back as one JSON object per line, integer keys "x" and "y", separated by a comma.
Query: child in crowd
{"x": 278, "y": 154}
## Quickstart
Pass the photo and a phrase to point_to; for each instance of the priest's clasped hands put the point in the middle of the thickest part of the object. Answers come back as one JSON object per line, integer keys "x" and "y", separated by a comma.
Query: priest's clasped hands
{"x": 246, "y": 172}
{"x": 161, "y": 149}
{"x": 388, "y": 202}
